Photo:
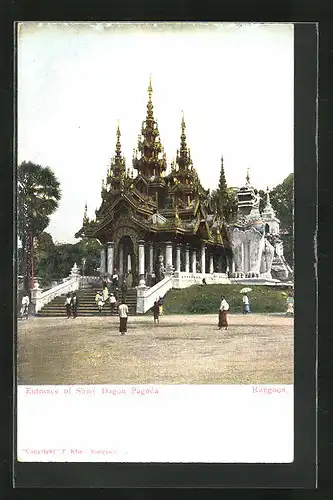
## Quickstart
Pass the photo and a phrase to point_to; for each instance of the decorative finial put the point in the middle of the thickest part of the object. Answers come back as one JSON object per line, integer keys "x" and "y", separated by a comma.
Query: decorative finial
{"x": 248, "y": 176}
{"x": 118, "y": 146}
{"x": 183, "y": 121}
{"x": 268, "y": 201}
{"x": 85, "y": 215}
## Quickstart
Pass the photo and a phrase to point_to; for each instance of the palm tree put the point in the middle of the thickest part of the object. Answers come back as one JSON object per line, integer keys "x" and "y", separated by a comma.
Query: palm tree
{"x": 38, "y": 197}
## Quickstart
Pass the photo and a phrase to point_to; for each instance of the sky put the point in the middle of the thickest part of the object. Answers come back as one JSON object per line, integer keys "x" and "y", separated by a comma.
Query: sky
{"x": 234, "y": 83}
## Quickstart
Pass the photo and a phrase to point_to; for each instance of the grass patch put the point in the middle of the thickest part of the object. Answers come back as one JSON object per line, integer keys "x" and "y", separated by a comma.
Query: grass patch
{"x": 205, "y": 299}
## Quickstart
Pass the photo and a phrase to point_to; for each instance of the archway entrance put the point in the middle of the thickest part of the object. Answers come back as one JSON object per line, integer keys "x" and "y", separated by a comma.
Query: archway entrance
{"x": 126, "y": 261}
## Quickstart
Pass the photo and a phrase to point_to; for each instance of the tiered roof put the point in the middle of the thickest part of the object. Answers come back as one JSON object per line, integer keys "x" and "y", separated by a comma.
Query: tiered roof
{"x": 151, "y": 199}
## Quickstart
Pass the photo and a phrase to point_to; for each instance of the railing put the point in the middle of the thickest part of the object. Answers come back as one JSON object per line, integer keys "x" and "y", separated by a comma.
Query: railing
{"x": 40, "y": 299}
{"x": 184, "y": 280}
{"x": 147, "y": 296}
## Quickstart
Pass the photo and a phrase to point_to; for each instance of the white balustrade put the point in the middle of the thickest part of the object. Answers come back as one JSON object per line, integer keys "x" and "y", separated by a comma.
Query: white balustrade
{"x": 40, "y": 299}
{"x": 184, "y": 279}
{"x": 146, "y": 297}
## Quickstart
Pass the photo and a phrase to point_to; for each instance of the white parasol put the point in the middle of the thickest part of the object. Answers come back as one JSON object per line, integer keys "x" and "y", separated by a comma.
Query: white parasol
{"x": 245, "y": 290}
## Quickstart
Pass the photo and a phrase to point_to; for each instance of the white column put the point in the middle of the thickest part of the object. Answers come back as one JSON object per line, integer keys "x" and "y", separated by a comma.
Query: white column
{"x": 187, "y": 258}
{"x": 102, "y": 269}
{"x": 121, "y": 260}
{"x": 110, "y": 257}
{"x": 129, "y": 262}
{"x": 194, "y": 261}
{"x": 211, "y": 264}
{"x": 228, "y": 261}
{"x": 168, "y": 257}
{"x": 203, "y": 259}
{"x": 151, "y": 259}
{"x": 178, "y": 258}
{"x": 141, "y": 245}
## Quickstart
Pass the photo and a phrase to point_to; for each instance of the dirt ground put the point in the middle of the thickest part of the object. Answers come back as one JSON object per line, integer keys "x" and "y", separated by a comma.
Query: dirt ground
{"x": 257, "y": 349}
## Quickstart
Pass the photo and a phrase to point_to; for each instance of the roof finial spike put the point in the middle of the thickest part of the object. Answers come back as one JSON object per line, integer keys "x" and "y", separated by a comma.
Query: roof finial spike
{"x": 85, "y": 215}
{"x": 268, "y": 201}
{"x": 118, "y": 146}
{"x": 248, "y": 176}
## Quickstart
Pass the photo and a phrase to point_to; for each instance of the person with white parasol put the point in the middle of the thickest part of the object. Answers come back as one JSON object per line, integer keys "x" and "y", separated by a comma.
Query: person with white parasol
{"x": 246, "y": 302}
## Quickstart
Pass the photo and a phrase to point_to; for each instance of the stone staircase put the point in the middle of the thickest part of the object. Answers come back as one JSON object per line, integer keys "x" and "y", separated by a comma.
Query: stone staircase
{"x": 87, "y": 305}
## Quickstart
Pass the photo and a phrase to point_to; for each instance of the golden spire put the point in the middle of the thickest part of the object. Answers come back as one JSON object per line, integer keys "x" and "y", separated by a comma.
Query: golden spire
{"x": 150, "y": 102}
{"x": 183, "y": 135}
{"x": 118, "y": 146}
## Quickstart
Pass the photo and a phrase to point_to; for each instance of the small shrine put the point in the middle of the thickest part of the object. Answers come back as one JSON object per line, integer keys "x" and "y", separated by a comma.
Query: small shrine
{"x": 255, "y": 239}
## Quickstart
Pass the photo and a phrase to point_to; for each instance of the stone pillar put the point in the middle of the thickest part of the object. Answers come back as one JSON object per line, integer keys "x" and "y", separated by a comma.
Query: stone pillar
{"x": 102, "y": 269}
{"x": 110, "y": 253}
{"x": 233, "y": 267}
{"x": 151, "y": 259}
{"x": 168, "y": 257}
{"x": 129, "y": 262}
{"x": 178, "y": 258}
{"x": 194, "y": 261}
{"x": 203, "y": 259}
{"x": 121, "y": 260}
{"x": 211, "y": 264}
{"x": 141, "y": 245}
{"x": 187, "y": 258}
{"x": 36, "y": 297}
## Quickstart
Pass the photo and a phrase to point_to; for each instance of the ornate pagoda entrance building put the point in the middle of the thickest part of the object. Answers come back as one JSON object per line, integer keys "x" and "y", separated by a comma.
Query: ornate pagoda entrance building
{"x": 155, "y": 224}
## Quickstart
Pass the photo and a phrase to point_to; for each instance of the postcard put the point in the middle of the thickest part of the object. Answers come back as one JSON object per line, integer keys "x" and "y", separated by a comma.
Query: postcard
{"x": 155, "y": 287}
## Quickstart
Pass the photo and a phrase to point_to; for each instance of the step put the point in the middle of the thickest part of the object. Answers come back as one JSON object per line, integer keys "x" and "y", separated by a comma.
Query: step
{"x": 87, "y": 305}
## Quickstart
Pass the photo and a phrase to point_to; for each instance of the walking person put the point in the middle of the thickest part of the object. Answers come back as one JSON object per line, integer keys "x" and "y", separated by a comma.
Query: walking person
{"x": 75, "y": 304}
{"x": 105, "y": 293}
{"x": 24, "y": 312}
{"x": 160, "y": 304}
{"x": 99, "y": 301}
{"x": 156, "y": 312}
{"x": 112, "y": 302}
{"x": 123, "y": 315}
{"x": 68, "y": 305}
{"x": 223, "y": 314}
{"x": 115, "y": 280}
{"x": 246, "y": 304}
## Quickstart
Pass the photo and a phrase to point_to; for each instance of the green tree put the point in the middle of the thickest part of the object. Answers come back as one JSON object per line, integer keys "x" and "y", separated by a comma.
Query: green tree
{"x": 54, "y": 262}
{"x": 89, "y": 249}
{"x": 282, "y": 200}
{"x": 38, "y": 197}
